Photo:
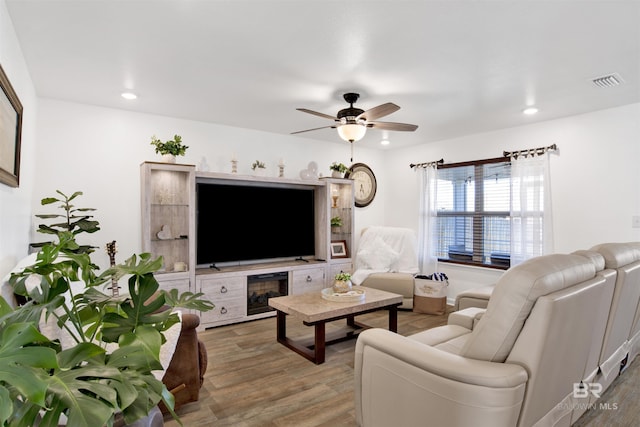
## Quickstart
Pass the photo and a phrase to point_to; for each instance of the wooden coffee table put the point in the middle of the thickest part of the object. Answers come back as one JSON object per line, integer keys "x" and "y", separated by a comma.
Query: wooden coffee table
{"x": 316, "y": 311}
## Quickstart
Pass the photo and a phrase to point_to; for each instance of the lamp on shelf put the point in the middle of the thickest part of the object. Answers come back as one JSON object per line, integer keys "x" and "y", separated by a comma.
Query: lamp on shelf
{"x": 334, "y": 197}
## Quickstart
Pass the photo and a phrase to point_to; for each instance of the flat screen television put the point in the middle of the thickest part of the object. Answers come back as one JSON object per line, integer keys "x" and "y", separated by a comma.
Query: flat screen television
{"x": 243, "y": 222}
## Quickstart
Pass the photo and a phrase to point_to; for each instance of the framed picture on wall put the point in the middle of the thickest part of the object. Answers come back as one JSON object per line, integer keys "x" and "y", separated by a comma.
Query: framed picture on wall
{"x": 339, "y": 249}
{"x": 10, "y": 133}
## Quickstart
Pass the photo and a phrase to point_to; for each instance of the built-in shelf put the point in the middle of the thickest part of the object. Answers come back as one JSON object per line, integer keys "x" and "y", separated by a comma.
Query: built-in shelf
{"x": 168, "y": 200}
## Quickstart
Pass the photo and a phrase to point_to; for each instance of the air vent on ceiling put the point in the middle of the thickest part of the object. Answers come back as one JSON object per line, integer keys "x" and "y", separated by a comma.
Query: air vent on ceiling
{"x": 608, "y": 80}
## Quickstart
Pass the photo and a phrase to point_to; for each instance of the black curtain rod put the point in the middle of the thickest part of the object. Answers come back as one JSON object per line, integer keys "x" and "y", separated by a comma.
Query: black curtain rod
{"x": 530, "y": 152}
{"x": 426, "y": 164}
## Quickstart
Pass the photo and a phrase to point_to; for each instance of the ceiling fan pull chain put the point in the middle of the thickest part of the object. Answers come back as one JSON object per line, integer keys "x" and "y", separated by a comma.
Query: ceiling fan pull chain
{"x": 351, "y": 143}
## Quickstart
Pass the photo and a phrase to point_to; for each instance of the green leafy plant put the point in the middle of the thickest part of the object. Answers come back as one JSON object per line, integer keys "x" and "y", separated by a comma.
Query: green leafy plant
{"x": 343, "y": 277}
{"x": 101, "y": 360}
{"x": 339, "y": 167}
{"x": 74, "y": 220}
{"x": 257, "y": 165}
{"x": 336, "y": 221}
{"x": 173, "y": 146}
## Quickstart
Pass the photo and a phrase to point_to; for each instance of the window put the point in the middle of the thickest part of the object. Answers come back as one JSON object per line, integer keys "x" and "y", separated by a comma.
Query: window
{"x": 473, "y": 213}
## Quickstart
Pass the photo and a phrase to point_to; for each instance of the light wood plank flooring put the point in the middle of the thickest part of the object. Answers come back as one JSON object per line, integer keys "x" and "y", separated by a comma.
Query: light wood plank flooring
{"x": 252, "y": 380}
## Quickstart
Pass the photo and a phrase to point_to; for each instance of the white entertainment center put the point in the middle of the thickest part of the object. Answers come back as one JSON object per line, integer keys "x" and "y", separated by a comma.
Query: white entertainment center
{"x": 239, "y": 291}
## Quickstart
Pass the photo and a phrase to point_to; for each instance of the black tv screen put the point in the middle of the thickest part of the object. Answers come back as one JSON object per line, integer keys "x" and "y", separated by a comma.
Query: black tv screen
{"x": 240, "y": 222}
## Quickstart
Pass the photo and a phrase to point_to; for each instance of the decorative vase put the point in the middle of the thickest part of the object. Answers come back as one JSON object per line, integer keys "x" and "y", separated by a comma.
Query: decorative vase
{"x": 168, "y": 158}
{"x": 341, "y": 286}
{"x": 336, "y": 174}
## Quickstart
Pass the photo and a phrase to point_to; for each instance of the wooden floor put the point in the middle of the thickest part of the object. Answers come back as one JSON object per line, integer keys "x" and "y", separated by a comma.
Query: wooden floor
{"x": 252, "y": 380}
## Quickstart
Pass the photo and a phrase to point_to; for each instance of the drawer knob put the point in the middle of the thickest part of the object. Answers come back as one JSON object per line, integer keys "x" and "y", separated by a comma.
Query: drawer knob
{"x": 223, "y": 290}
{"x": 309, "y": 279}
{"x": 223, "y": 310}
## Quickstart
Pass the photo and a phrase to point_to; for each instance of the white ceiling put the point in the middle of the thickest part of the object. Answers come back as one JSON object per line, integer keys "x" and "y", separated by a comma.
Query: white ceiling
{"x": 454, "y": 67}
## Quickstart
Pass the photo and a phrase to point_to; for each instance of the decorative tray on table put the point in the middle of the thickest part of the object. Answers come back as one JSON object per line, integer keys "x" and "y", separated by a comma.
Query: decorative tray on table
{"x": 350, "y": 296}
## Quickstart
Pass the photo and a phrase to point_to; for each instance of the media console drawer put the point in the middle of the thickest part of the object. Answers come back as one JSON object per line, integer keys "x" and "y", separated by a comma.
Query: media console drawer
{"x": 223, "y": 287}
{"x": 307, "y": 280}
{"x": 228, "y": 296}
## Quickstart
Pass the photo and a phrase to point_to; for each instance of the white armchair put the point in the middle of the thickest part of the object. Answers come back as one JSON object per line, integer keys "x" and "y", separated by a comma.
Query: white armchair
{"x": 387, "y": 259}
{"x": 517, "y": 366}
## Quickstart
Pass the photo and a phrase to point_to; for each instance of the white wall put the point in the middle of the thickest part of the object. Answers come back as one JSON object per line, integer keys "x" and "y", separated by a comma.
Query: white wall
{"x": 99, "y": 150}
{"x": 15, "y": 203}
{"x": 595, "y": 179}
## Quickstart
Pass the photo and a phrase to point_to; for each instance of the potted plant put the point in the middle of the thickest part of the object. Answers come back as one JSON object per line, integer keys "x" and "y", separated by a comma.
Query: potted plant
{"x": 258, "y": 168}
{"x": 338, "y": 169}
{"x": 336, "y": 221}
{"x": 342, "y": 282}
{"x": 169, "y": 149}
{"x": 93, "y": 357}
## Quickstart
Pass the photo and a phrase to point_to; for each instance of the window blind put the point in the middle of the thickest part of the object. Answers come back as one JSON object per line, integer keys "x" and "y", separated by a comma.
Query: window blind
{"x": 473, "y": 213}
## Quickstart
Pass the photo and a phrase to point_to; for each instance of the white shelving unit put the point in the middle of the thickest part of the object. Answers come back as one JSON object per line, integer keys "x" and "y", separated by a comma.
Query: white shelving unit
{"x": 169, "y": 230}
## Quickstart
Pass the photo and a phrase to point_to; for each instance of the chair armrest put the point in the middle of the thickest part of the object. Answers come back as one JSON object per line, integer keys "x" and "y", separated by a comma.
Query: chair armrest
{"x": 441, "y": 363}
{"x": 466, "y": 318}
{"x": 431, "y": 384}
{"x": 190, "y": 321}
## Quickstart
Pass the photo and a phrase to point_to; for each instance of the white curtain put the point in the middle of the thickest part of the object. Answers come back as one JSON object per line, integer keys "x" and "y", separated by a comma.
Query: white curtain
{"x": 531, "y": 220}
{"x": 427, "y": 259}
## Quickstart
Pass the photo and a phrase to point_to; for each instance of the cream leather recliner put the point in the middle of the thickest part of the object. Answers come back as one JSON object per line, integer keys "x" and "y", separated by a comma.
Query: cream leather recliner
{"x": 387, "y": 259}
{"x": 517, "y": 366}
{"x": 621, "y": 333}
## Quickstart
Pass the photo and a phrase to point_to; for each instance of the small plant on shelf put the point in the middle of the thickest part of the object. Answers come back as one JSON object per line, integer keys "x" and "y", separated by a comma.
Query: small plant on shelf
{"x": 336, "y": 221}
{"x": 343, "y": 277}
{"x": 338, "y": 167}
{"x": 258, "y": 165}
{"x": 173, "y": 146}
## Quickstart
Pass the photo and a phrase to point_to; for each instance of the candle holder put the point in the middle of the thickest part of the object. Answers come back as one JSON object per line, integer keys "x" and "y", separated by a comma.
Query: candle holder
{"x": 234, "y": 166}
{"x": 281, "y": 171}
{"x": 335, "y": 195}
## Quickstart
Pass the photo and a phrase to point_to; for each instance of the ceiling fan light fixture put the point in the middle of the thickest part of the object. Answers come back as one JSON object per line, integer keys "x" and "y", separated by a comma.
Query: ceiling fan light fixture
{"x": 352, "y": 132}
{"x": 129, "y": 95}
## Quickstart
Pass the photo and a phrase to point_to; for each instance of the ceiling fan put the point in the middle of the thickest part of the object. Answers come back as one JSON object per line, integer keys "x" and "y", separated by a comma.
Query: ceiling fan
{"x": 352, "y": 122}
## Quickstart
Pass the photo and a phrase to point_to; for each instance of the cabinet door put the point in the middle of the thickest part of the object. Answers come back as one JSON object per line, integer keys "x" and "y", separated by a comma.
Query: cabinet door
{"x": 182, "y": 285}
{"x": 308, "y": 280}
{"x": 228, "y": 296}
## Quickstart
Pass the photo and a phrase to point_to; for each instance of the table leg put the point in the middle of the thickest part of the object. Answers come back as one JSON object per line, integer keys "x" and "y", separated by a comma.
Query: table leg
{"x": 393, "y": 318}
{"x": 319, "y": 346}
{"x": 351, "y": 321}
{"x": 281, "y": 326}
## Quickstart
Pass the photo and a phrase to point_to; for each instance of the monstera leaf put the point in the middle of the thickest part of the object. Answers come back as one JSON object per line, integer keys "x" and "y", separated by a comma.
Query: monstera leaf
{"x": 187, "y": 300}
{"x": 84, "y": 394}
{"x": 141, "y": 309}
{"x": 22, "y": 365}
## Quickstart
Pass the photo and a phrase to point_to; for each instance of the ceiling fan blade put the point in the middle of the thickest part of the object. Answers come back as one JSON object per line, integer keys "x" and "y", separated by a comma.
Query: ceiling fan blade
{"x": 315, "y": 113}
{"x": 392, "y": 126}
{"x": 379, "y": 111}
{"x": 309, "y": 130}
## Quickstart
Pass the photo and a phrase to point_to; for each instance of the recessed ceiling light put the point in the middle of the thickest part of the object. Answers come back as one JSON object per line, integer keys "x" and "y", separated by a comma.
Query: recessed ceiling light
{"x": 529, "y": 111}
{"x": 385, "y": 142}
{"x": 129, "y": 95}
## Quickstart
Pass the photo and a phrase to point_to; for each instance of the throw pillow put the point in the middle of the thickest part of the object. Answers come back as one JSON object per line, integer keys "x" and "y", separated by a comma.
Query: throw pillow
{"x": 378, "y": 255}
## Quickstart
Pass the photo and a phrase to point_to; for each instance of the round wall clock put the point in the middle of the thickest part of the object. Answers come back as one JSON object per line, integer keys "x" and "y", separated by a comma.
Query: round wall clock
{"x": 364, "y": 184}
